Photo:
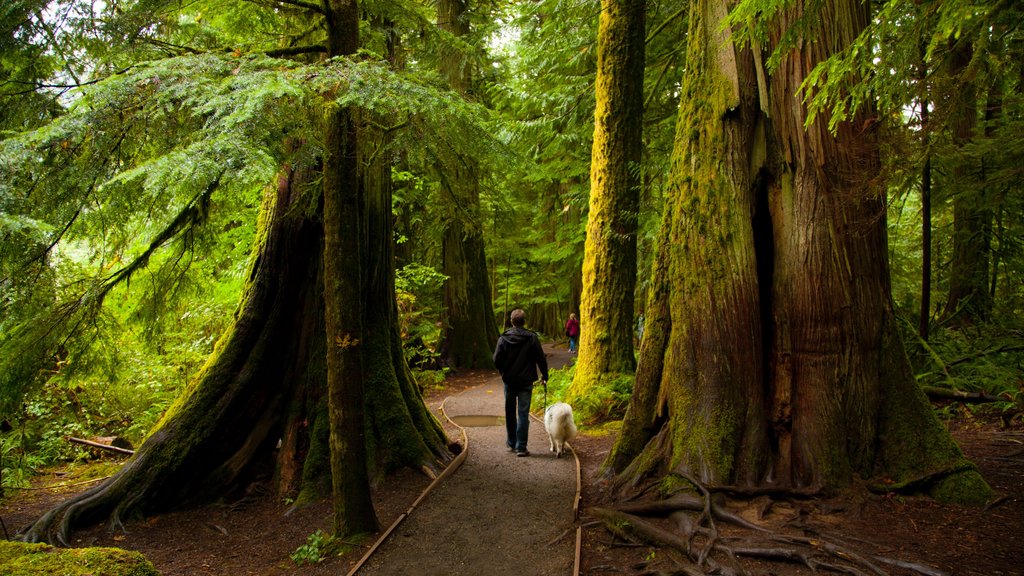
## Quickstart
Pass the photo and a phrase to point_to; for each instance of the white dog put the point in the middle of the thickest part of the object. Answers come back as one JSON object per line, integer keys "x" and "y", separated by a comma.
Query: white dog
{"x": 560, "y": 426}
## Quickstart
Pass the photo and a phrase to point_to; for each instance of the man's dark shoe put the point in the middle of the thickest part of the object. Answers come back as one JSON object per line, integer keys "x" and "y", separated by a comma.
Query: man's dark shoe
{"x": 522, "y": 453}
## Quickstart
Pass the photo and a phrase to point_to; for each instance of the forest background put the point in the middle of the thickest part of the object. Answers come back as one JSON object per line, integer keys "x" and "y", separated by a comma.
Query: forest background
{"x": 140, "y": 139}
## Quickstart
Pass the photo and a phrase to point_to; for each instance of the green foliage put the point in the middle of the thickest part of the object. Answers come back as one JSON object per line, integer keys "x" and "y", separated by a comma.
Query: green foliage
{"x": 984, "y": 359}
{"x": 417, "y": 289}
{"x": 558, "y": 384}
{"x": 315, "y": 550}
{"x": 607, "y": 403}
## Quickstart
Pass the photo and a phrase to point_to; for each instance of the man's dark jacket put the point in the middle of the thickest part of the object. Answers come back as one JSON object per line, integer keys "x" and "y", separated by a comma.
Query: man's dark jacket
{"x": 518, "y": 356}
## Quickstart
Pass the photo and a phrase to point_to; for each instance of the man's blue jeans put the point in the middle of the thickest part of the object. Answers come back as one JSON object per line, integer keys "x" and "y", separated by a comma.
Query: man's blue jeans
{"x": 517, "y": 415}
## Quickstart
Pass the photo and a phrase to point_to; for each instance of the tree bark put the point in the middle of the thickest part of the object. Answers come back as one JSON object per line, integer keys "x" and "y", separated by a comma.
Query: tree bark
{"x": 782, "y": 366}
{"x": 968, "y": 301}
{"x": 925, "y": 315}
{"x": 470, "y": 330}
{"x": 343, "y": 251}
{"x": 610, "y": 260}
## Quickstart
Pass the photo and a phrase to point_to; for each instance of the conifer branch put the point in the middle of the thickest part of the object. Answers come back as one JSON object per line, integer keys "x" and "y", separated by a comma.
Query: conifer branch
{"x": 192, "y": 214}
{"x": 666, "y": 22}
{"x": 297, "y": 3}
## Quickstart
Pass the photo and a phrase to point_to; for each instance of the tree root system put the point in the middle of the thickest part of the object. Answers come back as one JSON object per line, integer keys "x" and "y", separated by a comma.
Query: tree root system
{"x": 689, "y": 524}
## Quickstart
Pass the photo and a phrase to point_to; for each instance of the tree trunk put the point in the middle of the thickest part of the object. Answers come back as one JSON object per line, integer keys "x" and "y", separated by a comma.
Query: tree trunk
{"x": 925, "y": 316}
{"x": 403, "y": 430}
{"x": 343, "y": 288}
{"x": 221, "y": 433}
{"x": 924, "y": 321}
{"x": 609, "y": 261}
{"x": 782, "y": 366}
{"x": 266, "y": 381}
{"x": 968, "y": 301}
{"x": 470, "y": 330}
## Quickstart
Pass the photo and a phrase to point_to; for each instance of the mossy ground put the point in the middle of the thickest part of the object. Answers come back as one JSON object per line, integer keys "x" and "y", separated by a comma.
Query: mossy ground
{"x": 19, "y": 559}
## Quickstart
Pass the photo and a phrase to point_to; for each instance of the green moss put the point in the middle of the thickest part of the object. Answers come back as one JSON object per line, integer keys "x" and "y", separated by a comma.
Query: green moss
{"x": 674, "y": 484}
{"x": 19, "y": 559}
{"x": 705, "y": 442}
{"x": 967, "y": 488}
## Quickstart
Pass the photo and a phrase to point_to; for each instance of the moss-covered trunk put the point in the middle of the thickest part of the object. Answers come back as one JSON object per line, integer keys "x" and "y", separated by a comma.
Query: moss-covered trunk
{"x": 610, "y": 259}
{"x": 222, "y": 432}
{"x": 470, "y": 330}
{"x": 257, "y": 412}
{"x": 343, "y": 298}
{"x": 402, "y": 430}
{"x": 782, "y": 366}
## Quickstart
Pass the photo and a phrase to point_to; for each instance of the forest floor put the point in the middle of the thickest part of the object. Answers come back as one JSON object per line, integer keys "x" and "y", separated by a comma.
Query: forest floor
{"x": 257, "y": 535}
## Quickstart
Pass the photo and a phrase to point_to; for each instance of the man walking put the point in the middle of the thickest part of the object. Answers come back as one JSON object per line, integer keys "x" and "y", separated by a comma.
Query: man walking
{"x": 519, "y": 357}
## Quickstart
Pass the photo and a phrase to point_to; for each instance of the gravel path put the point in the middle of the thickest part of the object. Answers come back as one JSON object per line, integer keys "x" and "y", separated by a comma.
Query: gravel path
{"x": 497, "y": 515}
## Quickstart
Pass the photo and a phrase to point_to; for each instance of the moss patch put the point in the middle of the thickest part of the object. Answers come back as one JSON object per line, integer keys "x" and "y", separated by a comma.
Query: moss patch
{"x": 19, "y": 559}
{"x": 967, "y": 488}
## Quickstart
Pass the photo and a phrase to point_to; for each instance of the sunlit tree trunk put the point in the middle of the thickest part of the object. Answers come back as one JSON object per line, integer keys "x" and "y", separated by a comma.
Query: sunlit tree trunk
{"x": 470, "y": 329}
{"x": 610, "y": 259}
{"x": 782, "y": 366}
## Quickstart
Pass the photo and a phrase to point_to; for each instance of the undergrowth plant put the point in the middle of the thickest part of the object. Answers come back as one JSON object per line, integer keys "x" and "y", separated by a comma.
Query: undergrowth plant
{"x": 315, "y": 550}
{"x": 981, "y": 359}
{"x": 615, "y": 390}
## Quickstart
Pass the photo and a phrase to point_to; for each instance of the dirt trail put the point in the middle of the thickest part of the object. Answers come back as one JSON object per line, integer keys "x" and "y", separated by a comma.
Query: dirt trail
{"x": 498, "y": 514}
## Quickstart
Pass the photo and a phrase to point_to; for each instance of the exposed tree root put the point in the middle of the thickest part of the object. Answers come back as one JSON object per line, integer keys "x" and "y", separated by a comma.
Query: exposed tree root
{"x": 709, "y": 552}
{"x": 923, "y": 482}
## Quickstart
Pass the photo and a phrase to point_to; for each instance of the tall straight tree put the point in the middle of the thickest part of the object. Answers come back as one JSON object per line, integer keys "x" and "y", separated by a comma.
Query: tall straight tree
{"x": 343, "y": 293}
{"x": 781, "y": 366}
{"x": 259, "y": 407}
{"x": 470, "y": 330}
{"x": 610, "y": 258}
{"x": 969, "y": 301}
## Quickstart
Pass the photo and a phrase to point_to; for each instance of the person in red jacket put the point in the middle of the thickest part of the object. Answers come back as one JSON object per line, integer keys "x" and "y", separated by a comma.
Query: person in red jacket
{"x": 519, "y": 357}
{"x": 572, "y": 330}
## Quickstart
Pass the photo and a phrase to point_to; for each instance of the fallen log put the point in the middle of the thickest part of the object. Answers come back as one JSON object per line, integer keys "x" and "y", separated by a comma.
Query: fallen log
{"x": 935, "y": 393}
{"x": 107, "y": 447}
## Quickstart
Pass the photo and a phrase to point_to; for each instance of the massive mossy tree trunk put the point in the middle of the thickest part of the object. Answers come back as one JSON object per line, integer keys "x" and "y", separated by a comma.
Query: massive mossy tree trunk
{"x": 609, "y": 261}
{"x": 781, "y": 366}
{"x": 470, "y": 330}
{"x": 401, "y": 430}
{"x": 221, "y": 433}
{"x": 265, "y": 382}
{"x": 257, "y": 412}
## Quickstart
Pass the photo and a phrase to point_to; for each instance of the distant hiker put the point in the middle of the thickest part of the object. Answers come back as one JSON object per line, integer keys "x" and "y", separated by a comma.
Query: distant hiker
{"x": 519, "y": 358}
{"x": 572, "y": 331}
